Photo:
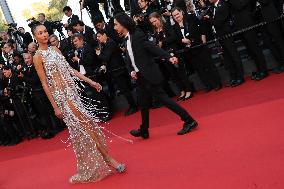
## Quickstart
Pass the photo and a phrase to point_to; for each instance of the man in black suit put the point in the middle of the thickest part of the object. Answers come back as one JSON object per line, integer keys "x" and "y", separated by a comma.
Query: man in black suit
{"x": 64, "y": 45}
{"x": 269, "y": 12}
{"x": 86, "y": 31}
{"x": 242, "y": 12}
{"x": 47, "y": 24}
{"x": 26, "y": 36}
{"x": 113, "y": 63}
{"x": 71, "y": 17}
{"x": 141, "y": 54}
{"x": 108, "y": 28}
{"x": 90, "y": 67}
{"x": 220, "y": 20}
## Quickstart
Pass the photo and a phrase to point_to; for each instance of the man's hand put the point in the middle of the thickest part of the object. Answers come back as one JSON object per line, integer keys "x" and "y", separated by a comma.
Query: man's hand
{"x": 174, "y": 60}
{"x": 206, "y": 17}
{"x": 5, "y": 92}
{"x": 133, "y": 75}
{"x": 103, "y": 67}
{"x": 75, "y": 59}
{"x": 98, "y": 51}
{"x": 21, "y": 75}
{"x": 19, "y": 67}
{"x": 186, "y": 41}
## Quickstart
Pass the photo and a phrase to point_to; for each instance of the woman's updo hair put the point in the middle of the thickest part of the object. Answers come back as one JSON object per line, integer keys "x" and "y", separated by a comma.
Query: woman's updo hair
{"x": 34, "y": 26}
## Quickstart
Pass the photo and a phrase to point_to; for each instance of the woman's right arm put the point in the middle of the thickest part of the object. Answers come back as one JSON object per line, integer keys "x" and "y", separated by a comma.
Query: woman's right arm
{"x": 37, "y": 59}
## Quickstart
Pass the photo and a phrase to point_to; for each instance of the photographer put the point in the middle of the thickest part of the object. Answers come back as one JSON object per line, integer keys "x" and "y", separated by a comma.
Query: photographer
{"x": 93, "y": 8}
{"x": 65, "y": 46}
{"x": 71, "y": 17}
{"x": 90, "y": 66}
{"x": 32, "y": 48}
{"x": 8, "y": 51}
{"x": 16, "y": 111}
{"x": 26, "y": 36}
{"x": 39, "y": 101}
{"x": 114, "y": 66}
{"x": 47, "y": 24}
{"x": 142, "y": 18}
{"x": 100, "y": 24}
{"x": 189, "y": 33}
{"x": 86, "y": 31}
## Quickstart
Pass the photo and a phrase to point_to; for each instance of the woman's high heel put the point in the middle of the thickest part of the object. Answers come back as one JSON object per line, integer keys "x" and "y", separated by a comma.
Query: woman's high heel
{"x": 121, "y": 168}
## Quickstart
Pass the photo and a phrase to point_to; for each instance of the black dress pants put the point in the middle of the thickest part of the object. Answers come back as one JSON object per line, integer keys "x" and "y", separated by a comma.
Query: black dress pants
{"x": 146, "y": 91}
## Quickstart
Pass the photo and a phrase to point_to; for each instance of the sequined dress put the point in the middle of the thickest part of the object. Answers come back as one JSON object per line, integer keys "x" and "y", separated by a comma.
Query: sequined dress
{"x": 87, "y": 138}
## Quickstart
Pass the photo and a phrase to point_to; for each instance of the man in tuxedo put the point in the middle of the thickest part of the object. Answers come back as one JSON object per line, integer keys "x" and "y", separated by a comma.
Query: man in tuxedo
{"x": 64, "y": 46}
{"x": 220, "y": 20}
{"x": 71, "y": 17}
{"x": 90, "y": 66}
{"x": 141, "y": 54}
{"x": 242, "y": 12}
{"x": 86, "y": 31}
{"x": 39, "y": 100}
{"x": 26, "y": 36}
{"x": 113, "y": 63}
{"x": 108, "y": 28}
{"x": 47, "y": 24}
{"x": 269, "y": 12}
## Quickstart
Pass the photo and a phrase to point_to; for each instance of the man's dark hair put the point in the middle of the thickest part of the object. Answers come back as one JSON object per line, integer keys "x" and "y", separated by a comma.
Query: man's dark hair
{"x": 176, "y": 8}
{"x": 21, "y": 28}
{"x": 67, "y": 8}
{"x": 97, "y": 20}
{"x": 77, "y": 35}
{"x": 80, "y": 22}
{"x": 6, "y": 67}
{"x": 41, "y": 14}
{"x": 127, "y": 22}
{"x": 102, "y": 32}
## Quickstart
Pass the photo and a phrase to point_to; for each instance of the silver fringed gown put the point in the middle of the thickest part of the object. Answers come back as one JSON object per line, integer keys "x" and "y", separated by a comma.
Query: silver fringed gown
{"x": 87, "y": 138}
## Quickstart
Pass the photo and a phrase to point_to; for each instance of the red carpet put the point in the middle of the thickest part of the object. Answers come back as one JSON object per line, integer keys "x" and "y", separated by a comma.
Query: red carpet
{"x": 239, "y": 145}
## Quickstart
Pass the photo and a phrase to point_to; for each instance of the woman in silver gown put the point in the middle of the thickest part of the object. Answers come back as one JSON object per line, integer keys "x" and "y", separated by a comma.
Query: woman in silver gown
{"x": 59, "y": 83}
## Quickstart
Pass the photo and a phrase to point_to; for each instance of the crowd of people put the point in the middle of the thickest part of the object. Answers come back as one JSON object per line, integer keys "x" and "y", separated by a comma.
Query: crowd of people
{"x": 99, "y": 54}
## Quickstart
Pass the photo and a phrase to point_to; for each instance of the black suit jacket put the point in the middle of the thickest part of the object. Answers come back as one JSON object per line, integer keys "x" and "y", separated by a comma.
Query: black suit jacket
{"x": 192, "y": 30}
{"x": 221, "y": 20}
{"x": 242, "y": 12}
{"x": 31, "y": 78}
{"x": 89, "y": 36}
{"x": 73, "y": 19}
{"x": 268, "y": 10}
{"x": 145, "y": 53}
{"x": 111, "y": 56}
{"x": 89, "y": 60}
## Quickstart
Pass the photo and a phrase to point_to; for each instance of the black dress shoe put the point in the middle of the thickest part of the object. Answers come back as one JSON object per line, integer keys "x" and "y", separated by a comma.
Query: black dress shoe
{"x": 218, "y": 87}
{"x": 188, "y": 126}
{"x": 131, "y": 110}
{"x": 139, "y": 133}
{"x": 261, "y": 75}
{"x": 237, "y": 82}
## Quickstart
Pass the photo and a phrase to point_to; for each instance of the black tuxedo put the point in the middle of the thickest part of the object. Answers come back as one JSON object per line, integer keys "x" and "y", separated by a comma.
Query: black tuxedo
{"x": 40, "y": 102}
{"x": 27, "y": 38}
{"x": 150, "y": 77}
{"x": 111, "y": 56}
{"x": 89, "y": 36}
{"x": 49, "y": 26}
{"x": 72, "y": 19}
{"x": 89, "y": 59}
{"x": 221, "y": 23}
{"x": 206, "y": 70}
{"x": 242, "y": 11}
{"x": 269, "y": 12}
{"x": 169, "y": 40}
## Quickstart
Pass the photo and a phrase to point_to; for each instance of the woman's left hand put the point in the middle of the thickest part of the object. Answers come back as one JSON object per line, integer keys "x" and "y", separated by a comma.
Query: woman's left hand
{"x": 96, "y": 86}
